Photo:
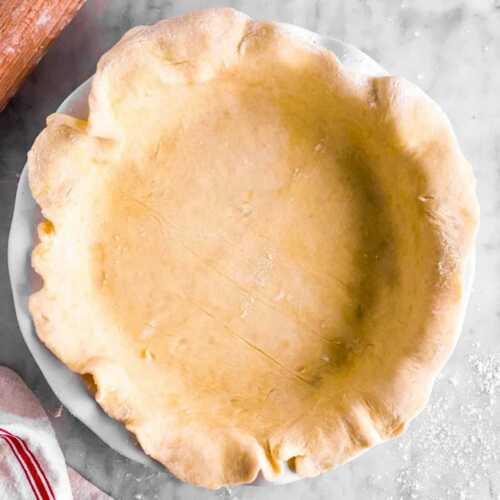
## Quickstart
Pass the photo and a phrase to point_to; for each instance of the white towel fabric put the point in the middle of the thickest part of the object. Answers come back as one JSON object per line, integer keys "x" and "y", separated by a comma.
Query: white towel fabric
{"x": 32, "y": 465}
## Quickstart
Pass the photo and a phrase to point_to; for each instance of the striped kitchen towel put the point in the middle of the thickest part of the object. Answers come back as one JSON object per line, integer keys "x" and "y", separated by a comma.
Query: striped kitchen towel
{"x": 32, "y": 465}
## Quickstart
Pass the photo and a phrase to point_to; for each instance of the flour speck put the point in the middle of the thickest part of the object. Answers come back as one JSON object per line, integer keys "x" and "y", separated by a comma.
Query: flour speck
{"x": 43, "y": 19}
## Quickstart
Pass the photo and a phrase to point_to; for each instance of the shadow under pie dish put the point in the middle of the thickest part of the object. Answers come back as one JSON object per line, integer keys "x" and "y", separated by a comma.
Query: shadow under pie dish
{"x": 256, "y": 254}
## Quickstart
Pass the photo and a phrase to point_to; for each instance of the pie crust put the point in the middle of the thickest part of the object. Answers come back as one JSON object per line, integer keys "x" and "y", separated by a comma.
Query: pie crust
{"x": 255, "y": 254}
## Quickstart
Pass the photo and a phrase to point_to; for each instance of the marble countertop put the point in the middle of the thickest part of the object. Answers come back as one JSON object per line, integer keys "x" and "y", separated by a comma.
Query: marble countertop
{"x": 451, "y": 48}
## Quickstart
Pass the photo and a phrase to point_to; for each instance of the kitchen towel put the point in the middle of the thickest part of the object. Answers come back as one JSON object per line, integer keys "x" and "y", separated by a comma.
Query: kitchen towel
{"x": 32, "y": 465}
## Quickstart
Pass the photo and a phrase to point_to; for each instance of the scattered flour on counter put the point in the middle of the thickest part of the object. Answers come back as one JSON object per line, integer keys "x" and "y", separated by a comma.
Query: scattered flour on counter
{"x": 59, "y": 411}
{"x": 488, "y": 371}
{"x": 226, "y": 493}
{"x": 453, "y": 450}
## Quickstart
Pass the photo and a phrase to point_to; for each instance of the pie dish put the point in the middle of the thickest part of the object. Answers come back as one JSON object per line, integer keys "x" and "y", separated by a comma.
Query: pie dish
{"x": 254, "y": 268}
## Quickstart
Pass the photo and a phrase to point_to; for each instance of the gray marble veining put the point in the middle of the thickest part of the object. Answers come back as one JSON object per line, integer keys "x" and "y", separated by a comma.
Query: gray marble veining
{"x": 451, "y": 48}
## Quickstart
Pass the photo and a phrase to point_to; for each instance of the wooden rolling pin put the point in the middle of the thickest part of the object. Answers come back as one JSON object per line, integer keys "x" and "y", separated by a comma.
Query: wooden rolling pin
{"x": 27, "y": 27}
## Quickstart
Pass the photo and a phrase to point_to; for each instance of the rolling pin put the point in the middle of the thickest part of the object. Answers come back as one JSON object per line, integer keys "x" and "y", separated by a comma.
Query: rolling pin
{"x": 27, "y": 28}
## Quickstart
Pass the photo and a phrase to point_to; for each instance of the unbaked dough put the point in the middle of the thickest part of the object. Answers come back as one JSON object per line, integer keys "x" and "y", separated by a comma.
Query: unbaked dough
{"x": 256, "y": 254}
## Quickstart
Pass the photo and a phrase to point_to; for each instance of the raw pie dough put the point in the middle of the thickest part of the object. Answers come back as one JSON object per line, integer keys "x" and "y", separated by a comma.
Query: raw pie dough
{"x": 256, "y": 255}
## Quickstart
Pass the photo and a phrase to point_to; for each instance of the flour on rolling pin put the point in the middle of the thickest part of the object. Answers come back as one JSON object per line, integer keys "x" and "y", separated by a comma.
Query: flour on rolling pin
{"x": 26, "y": 30}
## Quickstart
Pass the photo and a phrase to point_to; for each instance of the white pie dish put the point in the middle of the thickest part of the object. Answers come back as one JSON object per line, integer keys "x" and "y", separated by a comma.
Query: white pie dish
{"x": 67, "y": 385}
